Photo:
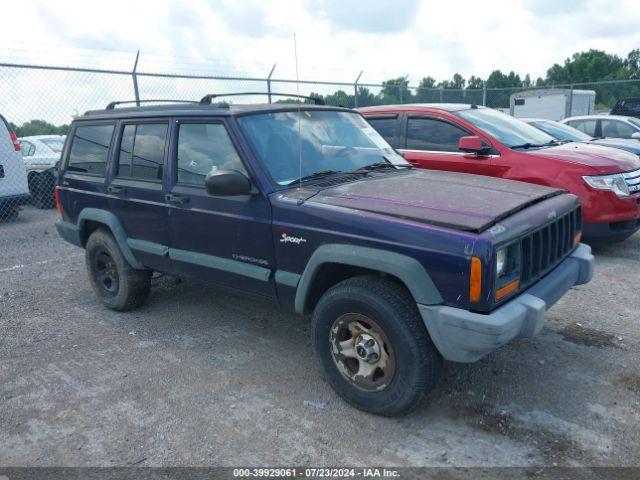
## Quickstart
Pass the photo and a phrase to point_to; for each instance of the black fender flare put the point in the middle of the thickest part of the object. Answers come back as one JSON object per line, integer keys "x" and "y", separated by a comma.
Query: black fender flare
{"x": 117, "y": 230}
{"x": 411, "y": 272}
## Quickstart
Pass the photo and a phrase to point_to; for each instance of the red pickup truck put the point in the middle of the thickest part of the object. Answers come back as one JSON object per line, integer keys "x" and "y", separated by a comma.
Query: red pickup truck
{"x": 472, "y": 139}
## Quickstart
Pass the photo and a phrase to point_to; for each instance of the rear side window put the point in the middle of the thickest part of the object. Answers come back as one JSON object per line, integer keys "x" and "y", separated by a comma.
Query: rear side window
{"x": 616, "y": 129}
{"x": 141, "y": 155}
{"x": 90, "y": 149}
{"x": 586, "y": 126}
{"x": 204, "y": 148}
{"x": 433, "y": 135}
{"x": 27, "y": 148}
{"x": 387, "y": 128}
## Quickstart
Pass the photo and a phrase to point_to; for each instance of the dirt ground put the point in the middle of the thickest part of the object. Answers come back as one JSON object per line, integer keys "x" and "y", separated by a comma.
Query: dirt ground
{"x": 201, "y": 377}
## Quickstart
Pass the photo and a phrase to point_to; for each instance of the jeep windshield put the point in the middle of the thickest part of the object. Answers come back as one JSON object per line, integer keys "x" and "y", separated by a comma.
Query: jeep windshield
{"x": 509, "y": 131}
{"x": 311, "y": 144}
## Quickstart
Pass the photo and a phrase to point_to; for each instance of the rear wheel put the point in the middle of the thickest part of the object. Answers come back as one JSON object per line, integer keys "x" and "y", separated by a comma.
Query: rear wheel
{"x": 373, "y": 345}
{"x": 117, "y": 284}
{"x": 9, "y": 213}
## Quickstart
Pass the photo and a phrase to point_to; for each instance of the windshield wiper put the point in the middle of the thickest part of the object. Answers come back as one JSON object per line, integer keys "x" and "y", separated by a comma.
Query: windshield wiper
{"x": 536, "y": 145}
{"x": 311, "y": 176}
{"x": 324, "y": 173}
{"x": 385, "y": 164}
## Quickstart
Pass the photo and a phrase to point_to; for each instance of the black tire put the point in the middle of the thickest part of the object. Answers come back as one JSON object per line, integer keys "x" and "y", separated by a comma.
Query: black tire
{"x": 9, "y": 214}
{"x": 392, "y": 310}
{"x": 119, "y": 286}
{"x": 42, "y": 186}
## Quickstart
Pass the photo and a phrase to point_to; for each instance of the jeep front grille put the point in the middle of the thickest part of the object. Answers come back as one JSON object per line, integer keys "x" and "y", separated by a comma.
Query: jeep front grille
{"x": 633, "y": 181}
{"x": 545, "y": 248}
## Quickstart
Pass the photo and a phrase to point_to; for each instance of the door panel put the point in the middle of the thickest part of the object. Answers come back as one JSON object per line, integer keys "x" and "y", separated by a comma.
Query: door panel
{"x": 433, "y": 143}
{"x": 223, "y": 240}
{"x": 136, "y": 192}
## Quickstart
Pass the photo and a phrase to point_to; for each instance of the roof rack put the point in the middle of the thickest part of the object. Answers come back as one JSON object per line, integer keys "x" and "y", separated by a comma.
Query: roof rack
{"x": 113, "y": 105}
{"x": 207, "y": 99}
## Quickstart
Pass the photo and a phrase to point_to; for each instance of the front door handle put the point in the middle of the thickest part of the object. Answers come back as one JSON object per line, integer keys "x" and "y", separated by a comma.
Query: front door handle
{"x": 115, "y": 190}
{"x": 176, "y": 199}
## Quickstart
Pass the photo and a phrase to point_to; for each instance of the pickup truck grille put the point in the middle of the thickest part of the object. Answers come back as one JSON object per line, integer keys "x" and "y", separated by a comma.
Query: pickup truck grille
{"x": 633, "y": 181}
{"x": 545, "y": 248}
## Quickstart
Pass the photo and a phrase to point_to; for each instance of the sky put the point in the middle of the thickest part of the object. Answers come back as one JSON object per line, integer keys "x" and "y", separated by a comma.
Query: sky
{"x": 336, "y": 39}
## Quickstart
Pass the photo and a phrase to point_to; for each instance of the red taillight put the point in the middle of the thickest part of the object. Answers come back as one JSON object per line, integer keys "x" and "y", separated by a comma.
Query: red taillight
{"x": 56, "y": 197}
{"x": 14, "y": 139}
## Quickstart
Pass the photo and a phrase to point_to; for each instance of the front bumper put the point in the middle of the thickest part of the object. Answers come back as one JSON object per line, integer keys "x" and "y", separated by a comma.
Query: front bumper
{"x": 463, "y": 336}
{"x": 610, "y": 232}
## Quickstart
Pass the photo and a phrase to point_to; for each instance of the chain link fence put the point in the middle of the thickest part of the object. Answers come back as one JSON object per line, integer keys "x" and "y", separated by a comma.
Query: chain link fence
{"x": 37, "y": 103}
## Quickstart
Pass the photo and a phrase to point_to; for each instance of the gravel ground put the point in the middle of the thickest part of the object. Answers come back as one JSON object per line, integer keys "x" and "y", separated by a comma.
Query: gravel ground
{"x": 200, "y": 377}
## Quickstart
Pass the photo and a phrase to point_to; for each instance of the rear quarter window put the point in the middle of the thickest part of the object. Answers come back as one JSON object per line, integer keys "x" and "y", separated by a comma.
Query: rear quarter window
{"x": 90, "y": 149}
{"x": 387, "y": 128}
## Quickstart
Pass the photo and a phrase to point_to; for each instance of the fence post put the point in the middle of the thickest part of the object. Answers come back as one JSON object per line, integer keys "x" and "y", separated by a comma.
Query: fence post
{"x": 484, "y": 95}
{"x": 269, "y": 82}
{"x": 570, "y": 100}
{"x": 400, "y": 93}
{"x": 134, "y": 76}
{"x": 355, "y": 90}
{"x": 441, "y": 94}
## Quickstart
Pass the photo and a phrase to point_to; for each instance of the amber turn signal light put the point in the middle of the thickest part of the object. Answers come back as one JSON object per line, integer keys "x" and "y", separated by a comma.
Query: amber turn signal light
{"x": 577, "y": 239}
{"x": 475, "y": 280}
{"x": 508, "y": 289}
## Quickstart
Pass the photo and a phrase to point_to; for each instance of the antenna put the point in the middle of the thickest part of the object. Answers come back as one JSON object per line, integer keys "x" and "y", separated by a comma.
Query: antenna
{"x": 295, "y": 53}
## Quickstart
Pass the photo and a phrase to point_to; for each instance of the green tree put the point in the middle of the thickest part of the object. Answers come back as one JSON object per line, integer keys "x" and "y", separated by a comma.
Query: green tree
{"x": 340, "y": 98}
{"x": 38, "y": 127}
{"x": 427, "y": 92}
{"x": 591, "y": 66}
{"x": 475, "y": 83}
{"x": 595, "y": 66}
{"x": 632, "y": 63}
{"x": 395, "y": 90}
{"x": 365, "y": 97}
{"x": 500, "y": 87}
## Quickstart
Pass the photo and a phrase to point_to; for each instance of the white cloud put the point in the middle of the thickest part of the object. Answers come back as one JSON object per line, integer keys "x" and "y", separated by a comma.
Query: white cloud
{"x": 336, "y": 40}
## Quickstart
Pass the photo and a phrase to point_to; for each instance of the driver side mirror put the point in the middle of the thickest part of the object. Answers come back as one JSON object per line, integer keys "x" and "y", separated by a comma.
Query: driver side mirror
{"x": 636, "y": 135}
{"x": 225, "y": 183}
{"x": 473, "y": 144}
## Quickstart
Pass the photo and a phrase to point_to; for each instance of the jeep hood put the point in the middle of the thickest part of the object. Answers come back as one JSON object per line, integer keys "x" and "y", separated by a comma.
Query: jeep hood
{"x": 453, "y": 200}
{"x": 601, "y": 158}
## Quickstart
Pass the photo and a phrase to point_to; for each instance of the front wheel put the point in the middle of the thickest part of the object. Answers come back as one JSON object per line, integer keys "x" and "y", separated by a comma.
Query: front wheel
{"x": 373, "y": 345}
{"x": 118, "y": 285}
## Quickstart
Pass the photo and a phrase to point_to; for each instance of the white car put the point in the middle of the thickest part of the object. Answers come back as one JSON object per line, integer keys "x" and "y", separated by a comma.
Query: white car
{"x": 14, "y": 190}
{"x": 40, "y": 154}
{"x": 606, "y": 126}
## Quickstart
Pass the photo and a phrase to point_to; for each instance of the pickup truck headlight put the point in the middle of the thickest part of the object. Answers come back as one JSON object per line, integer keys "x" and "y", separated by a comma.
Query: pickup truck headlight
{"x": 616, "y": 183}
{"x": 507, "y": 271}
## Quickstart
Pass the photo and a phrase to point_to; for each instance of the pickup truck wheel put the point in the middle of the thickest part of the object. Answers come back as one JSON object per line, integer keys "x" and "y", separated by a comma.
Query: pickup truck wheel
{"x": 118, "y": 285}
{"x": 373, "y": 345}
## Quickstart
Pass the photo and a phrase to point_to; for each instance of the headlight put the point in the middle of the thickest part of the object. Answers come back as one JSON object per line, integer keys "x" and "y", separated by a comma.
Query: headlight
{"x": 616, "y": 183}
{"x": 501, "y": 262}
{"x": 507, "y": 271}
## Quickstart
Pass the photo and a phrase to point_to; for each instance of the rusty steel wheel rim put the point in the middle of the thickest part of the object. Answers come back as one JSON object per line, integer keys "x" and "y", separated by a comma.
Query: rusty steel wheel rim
{"x": 362, "y": 352}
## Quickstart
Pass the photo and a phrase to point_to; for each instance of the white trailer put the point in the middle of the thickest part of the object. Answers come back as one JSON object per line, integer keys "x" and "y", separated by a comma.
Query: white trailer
{"x": 552, "y": 103}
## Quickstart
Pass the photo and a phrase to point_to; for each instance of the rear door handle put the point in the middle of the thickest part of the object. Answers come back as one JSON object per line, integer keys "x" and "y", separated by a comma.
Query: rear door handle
{"x": 115, "y": 190}
{"x": 176, "y": 199}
